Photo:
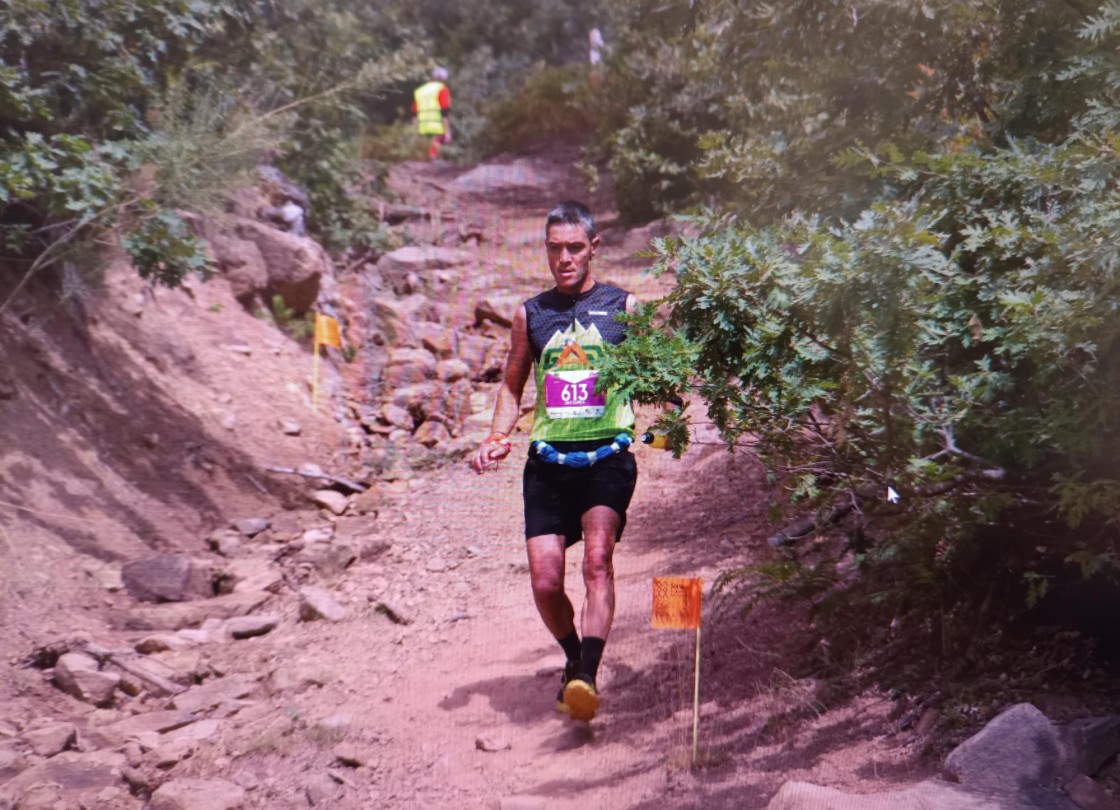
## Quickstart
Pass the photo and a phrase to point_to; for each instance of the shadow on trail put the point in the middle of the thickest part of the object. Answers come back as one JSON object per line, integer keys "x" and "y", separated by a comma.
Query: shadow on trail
{"x": 581, "y": 784}
{"x": 517, "y": 697}
{"x": 731, "y": 798}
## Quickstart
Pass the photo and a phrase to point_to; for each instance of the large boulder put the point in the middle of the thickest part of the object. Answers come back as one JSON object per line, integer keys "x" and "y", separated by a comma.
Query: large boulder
{"x": 296, "y": 265}
{"x": 242, "y": 264}
{"x": 1018, "y": 750}
{"x": 168, "y": 578}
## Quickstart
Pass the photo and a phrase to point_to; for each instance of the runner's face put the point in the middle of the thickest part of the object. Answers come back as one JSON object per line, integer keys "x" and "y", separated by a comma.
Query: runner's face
{"x": 569, "y": 257}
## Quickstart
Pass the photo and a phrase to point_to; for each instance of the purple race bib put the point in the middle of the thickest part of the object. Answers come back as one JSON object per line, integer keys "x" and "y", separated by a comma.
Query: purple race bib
{"x": 571, "y": 395}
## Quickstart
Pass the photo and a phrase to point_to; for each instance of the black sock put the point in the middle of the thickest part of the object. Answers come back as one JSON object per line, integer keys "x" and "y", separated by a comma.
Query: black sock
{"x": 571, "y": 645}
{"x": 592, "y": 654}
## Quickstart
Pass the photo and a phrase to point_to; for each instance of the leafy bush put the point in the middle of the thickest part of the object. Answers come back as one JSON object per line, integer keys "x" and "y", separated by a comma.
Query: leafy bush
{"x": 752, "y": 102}
{"x": 552, "y": 105}
{"x": 164, "y": 250}
{"x": 119, "y": 114}
{"x": 938, "y": 376}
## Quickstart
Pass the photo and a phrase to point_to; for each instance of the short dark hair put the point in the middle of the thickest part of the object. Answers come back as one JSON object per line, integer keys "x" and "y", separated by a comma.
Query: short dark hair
{"x": 571, "y": 212}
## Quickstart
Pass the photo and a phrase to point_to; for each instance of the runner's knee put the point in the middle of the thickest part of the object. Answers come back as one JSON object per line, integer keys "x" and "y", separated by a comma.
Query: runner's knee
{"x": 598, "y": 568}
{"x": 547, "y": 583}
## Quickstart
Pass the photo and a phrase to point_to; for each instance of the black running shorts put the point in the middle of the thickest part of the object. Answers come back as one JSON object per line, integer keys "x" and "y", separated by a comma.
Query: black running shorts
{"x": 556, "y": 496}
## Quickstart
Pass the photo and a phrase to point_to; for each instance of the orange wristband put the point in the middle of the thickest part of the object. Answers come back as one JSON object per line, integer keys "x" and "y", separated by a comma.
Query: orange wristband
{"x": 497, "y": 438}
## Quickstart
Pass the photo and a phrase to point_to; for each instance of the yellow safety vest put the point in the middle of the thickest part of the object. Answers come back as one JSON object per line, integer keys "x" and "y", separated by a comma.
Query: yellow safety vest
{"x": 429, "y": 116}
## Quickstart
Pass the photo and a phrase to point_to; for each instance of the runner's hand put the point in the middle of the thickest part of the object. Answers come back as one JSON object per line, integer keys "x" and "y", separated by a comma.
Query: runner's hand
{"x": 490, "y": 452}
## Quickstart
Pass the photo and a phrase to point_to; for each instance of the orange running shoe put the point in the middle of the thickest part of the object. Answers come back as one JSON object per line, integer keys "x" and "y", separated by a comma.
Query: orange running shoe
{"x": 582, "y": 698}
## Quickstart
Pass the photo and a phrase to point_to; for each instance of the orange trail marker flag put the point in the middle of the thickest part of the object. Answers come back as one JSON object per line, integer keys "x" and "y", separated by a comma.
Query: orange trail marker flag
{"x": 676, "y": 606}
{"x": 676, "y": 603}
{"x": 326, "y": 334}
{"x": 326, "y": 331}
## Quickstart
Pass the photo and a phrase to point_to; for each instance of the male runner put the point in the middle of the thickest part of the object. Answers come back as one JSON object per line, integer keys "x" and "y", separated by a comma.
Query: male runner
{"x": 580, "y": 474}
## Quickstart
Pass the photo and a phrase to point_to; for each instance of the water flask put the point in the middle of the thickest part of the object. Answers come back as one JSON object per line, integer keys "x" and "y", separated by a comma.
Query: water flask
{"x": 658, "y": 441}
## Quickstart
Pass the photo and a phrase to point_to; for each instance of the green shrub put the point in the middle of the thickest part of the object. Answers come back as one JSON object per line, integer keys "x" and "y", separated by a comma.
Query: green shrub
{"x": 552, "y": 105}
{"x": 937, "y": 378}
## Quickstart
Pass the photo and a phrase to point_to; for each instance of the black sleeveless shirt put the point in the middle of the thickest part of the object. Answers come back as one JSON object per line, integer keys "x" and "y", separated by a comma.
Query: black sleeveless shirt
{"x": 553, "y": 311}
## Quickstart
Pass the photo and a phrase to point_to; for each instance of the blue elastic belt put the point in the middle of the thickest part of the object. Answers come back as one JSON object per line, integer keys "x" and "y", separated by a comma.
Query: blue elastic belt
{"x": 579, "y": 458}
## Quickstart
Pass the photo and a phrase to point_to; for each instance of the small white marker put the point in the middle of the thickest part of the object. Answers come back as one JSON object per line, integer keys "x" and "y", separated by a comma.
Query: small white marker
{"x": 892, "y": 496}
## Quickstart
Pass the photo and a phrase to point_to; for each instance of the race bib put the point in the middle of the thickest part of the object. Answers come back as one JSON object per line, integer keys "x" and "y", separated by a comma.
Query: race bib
{"x": 571, "y": 395}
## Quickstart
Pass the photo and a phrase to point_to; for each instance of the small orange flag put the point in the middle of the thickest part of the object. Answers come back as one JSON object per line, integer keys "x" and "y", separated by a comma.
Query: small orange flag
{"x": 326, "y": 331}
{"x": 676, "y": 603}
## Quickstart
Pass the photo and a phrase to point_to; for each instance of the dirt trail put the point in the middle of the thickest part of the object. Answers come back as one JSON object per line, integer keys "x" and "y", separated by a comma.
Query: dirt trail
{"x": 476, "y": 669}
{"x": 442, "y": 655}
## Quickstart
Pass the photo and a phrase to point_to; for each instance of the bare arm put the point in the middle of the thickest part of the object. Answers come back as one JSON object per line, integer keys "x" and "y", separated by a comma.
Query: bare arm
{"x": 519, "y": 362}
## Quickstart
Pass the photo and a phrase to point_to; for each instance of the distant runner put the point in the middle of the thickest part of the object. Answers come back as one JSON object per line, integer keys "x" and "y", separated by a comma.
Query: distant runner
{"x": 580, "y": 475}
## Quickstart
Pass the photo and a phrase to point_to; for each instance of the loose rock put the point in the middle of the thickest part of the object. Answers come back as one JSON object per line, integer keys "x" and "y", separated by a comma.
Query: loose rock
{"x": 226, "y": 542}
{"x": 331, "y": 499}
{"x": 320, "y": 535}
{"x": 251, "y": 626}
{"x": 250, "y": 526}
{"x": 208, "y": 695}
{"x": 161, "y": 642}
{"x": 78, "y": 675}
{"x": 12, "y": 762}
{"x": 179, "y": 615}
{"x": 52, "y": 739}
{"x": 198, "y": 794}
{"x": 492, "y": 744}
{"x": 350, "y": 755}
{"x": 158, "y": 722}
{"x": 321, "y": 791}
{"x": 315, "y": 603}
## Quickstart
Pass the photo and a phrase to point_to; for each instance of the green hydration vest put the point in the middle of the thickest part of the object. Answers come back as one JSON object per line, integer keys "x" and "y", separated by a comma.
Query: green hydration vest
{"x": 429, "y": 116}
{"x": 569, "y": 336}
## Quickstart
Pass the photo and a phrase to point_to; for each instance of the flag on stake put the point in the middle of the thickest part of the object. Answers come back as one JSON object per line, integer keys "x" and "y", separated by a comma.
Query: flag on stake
{"x": 326, "y": 334}
{"x": 676, "y": 603}
{"x": 326, "y": 331}
{"x": 676, "y": 606}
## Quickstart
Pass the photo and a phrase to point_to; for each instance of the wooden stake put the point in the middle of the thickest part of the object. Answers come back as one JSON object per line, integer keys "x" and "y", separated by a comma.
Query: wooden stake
{"x": 696, "y": 701}
{"x": 315, "y": 375}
